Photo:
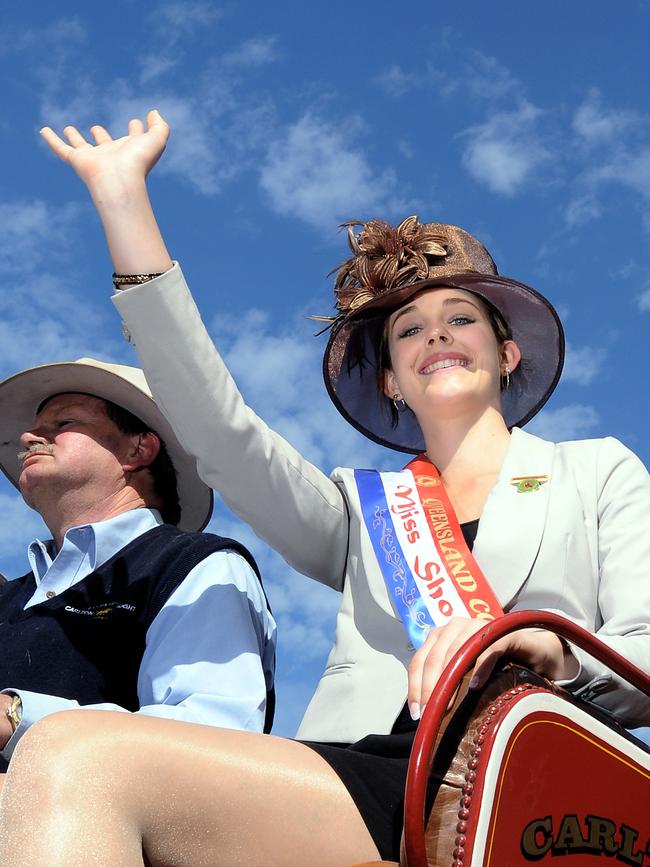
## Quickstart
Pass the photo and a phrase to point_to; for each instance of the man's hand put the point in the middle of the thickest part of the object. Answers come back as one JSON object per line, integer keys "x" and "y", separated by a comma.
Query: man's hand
{"x": 540, "y": 650}
{"x": 6, "y": 730}
{"x": 122, "y": 161}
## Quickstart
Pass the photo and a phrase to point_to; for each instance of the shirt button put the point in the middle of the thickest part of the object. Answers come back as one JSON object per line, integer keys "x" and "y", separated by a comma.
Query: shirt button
{"x": 50, "y": 594}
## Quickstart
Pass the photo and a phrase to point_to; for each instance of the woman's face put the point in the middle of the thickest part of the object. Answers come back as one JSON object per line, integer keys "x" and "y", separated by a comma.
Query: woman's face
{"x": 444, "y": 354}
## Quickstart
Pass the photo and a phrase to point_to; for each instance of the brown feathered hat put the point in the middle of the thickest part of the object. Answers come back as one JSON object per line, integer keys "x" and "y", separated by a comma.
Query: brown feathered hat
{"x": 388, "y": 267}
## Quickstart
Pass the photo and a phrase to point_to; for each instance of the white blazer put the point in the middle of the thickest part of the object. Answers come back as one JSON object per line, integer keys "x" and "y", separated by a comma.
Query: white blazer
{"x": 579, "y": 545}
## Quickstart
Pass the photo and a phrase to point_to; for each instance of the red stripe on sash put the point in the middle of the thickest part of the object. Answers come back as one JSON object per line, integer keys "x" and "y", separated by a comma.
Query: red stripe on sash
{"x": 464, "y": 571}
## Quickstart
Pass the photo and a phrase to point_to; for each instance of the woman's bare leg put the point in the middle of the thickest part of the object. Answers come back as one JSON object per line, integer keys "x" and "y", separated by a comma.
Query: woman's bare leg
{"x": 97, "y": 788}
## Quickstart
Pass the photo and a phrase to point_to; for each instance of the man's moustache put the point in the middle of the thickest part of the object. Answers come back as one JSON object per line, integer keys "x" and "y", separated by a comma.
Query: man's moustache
{"x": 40, "y": 449}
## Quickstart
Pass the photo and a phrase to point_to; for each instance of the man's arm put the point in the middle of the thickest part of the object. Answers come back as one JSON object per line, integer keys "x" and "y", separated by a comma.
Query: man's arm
{"x": 208, "y": 659}
{"x": 210, "y": 651}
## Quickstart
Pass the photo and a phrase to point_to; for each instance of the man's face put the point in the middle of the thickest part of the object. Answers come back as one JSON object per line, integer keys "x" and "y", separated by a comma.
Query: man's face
{"x": 73, "y": 447}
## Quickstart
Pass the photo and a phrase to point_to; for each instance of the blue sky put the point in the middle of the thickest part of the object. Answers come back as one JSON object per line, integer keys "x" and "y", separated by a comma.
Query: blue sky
{"x": 527, "y": 124}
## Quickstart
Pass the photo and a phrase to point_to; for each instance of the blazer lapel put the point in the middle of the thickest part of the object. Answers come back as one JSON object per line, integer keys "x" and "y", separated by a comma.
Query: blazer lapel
{"x": 512, "y": 524}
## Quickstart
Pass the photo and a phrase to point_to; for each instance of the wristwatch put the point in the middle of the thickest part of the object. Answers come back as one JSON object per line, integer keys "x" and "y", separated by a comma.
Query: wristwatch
{"x": 14, "y": 712}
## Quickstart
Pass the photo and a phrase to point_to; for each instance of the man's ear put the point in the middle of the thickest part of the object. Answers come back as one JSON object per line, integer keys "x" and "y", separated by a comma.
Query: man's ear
{"x": 144, "y": 451}
{"x": 510, "y": 355}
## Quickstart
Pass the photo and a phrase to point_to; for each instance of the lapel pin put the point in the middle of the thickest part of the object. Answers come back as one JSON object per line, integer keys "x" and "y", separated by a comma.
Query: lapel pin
{"x": 526, "y": 484}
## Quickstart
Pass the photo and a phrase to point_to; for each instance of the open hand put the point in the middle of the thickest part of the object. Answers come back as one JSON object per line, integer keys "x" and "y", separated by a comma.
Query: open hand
{"x": 122, "y": 160}
{"x": 540, "y": 650}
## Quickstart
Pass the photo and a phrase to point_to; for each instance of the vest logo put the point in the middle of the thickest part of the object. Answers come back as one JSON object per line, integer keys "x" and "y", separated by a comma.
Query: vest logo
{"x": 101, "y": 612}
{"x": 595, "y": 835}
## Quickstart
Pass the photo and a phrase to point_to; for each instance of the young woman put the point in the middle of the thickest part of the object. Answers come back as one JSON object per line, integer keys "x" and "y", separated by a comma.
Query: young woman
{"x": 430, "y": 352}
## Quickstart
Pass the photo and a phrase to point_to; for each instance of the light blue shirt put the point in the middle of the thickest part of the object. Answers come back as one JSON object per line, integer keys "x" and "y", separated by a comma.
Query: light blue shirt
{"x": 209, "y": 653}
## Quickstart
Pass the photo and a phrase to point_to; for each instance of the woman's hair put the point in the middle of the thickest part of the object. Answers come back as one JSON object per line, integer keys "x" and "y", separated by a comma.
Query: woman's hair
{"x": 499, "y": 326}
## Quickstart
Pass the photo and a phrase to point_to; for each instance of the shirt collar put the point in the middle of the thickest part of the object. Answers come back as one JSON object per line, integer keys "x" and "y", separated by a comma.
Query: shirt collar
{"x": 98, "y": 541}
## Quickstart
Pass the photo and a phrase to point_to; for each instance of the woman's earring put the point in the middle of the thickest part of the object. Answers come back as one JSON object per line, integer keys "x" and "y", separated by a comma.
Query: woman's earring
{"x": 399, "y": 403}
{"x": 505, "y": 378}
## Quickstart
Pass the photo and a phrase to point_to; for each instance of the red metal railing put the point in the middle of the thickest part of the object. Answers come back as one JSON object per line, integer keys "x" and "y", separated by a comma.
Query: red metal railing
{"x": 422, "y": 752}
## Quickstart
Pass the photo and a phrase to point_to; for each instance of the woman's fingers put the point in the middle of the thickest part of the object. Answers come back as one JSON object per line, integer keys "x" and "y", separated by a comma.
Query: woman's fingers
{"x": 75, "y": 138}
{"x": 155, "y": 119}
{"x": 430, "y": 660}
{"x": 136, "y": 127}
{"x": 485, "y": 663}
{"x": 540, "y": 650}
{"x": 56, "y": 143}
{"x": 100, "y": 134}
{"x": 157, "y": 125}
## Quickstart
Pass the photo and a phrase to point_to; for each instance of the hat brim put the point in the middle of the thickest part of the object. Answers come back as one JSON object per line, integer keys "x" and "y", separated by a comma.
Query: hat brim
{"x": 350, "y": 363}
{"x": 23, "y": 393}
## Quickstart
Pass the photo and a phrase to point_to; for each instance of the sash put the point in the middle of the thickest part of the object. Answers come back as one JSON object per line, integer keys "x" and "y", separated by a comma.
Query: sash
{"x": 428, "y": 568}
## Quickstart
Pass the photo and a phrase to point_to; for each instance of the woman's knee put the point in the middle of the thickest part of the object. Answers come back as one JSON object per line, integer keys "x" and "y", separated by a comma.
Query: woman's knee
{"x": 60, "y": 750}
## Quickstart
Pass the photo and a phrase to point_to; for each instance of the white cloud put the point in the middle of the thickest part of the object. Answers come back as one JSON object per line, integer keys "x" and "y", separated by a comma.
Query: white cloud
{"x": 253, "y": 52}
{"x": 174, "y": 20}
{"x": 220, "y": 126}
{"x": 482, "y": 77}
{"x": 566, "y": 423}
{"x": 60, "y": 34}
{"x": 33, "y": 231}
{"x": 406, "y": 149}
{"x": 313, "y": 172}
{"x": 631, "y": 168}
{"x": 504, "y": 152}
{"x": 582, "y": 363}
{"x": 192, "y": 154}
{"x": 644, "y": 301}
{"x": 395, "y": 82}
{"x": 615, "y": 150}
{"x": 487, "y": 78}
{"x": 153, "y": 66}
{"x": 596, "y": 125}
{"x": 582, "y": 209}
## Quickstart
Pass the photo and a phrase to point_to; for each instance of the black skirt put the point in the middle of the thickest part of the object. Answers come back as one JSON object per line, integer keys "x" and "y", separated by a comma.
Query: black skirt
{"x": 373, "y": 770}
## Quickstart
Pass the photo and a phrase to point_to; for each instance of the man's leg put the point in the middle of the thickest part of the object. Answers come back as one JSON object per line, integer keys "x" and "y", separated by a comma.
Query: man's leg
{"x": 90, "y": 787}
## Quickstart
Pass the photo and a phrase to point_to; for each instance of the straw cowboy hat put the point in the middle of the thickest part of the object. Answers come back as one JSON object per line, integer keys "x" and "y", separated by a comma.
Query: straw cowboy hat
{"x": 390, "y": 266}
{"x": 23, "y": 393}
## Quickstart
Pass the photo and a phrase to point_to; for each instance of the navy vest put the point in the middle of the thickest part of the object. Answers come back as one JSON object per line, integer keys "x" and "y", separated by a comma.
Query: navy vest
{"x": 87, "y": 642}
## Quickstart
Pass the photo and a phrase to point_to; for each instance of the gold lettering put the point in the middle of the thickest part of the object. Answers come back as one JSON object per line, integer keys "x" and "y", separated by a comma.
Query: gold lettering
{"x": 569, "y": 836}
{"x": 626, "y": 853}
{"x": 531, "y": 846}
{"x": 481, "y": 609}
{"x": 466, "y": 582}
{"x": 601, "y": 835}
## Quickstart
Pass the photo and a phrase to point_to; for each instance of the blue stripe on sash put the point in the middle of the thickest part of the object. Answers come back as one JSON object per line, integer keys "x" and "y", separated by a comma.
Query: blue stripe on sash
{"x": 398, "y": 577}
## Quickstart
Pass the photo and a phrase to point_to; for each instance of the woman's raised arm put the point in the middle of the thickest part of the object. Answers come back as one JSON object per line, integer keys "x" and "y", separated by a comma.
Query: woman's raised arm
{"x": 115, "y": 172}
{"x": 289, "y": 502}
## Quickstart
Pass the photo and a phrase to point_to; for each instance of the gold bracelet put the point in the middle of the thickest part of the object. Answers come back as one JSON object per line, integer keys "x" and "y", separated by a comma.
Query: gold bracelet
{"x": 120, "y": 280}
{"x": 14, "y": 712}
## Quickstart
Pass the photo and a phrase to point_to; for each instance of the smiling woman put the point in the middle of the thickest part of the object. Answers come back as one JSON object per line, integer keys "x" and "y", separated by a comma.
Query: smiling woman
{"x": 442, "y": 351}
{"x": 487, "y": 519}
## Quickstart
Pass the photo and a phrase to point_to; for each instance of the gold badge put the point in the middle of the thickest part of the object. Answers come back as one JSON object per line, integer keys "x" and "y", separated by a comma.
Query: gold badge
{"x": 426, "y": 481}
{"x": 526, "y": 484}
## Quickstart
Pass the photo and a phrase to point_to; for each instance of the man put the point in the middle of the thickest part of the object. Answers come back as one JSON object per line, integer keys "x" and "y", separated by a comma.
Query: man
{"x": 127, "y": 606}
